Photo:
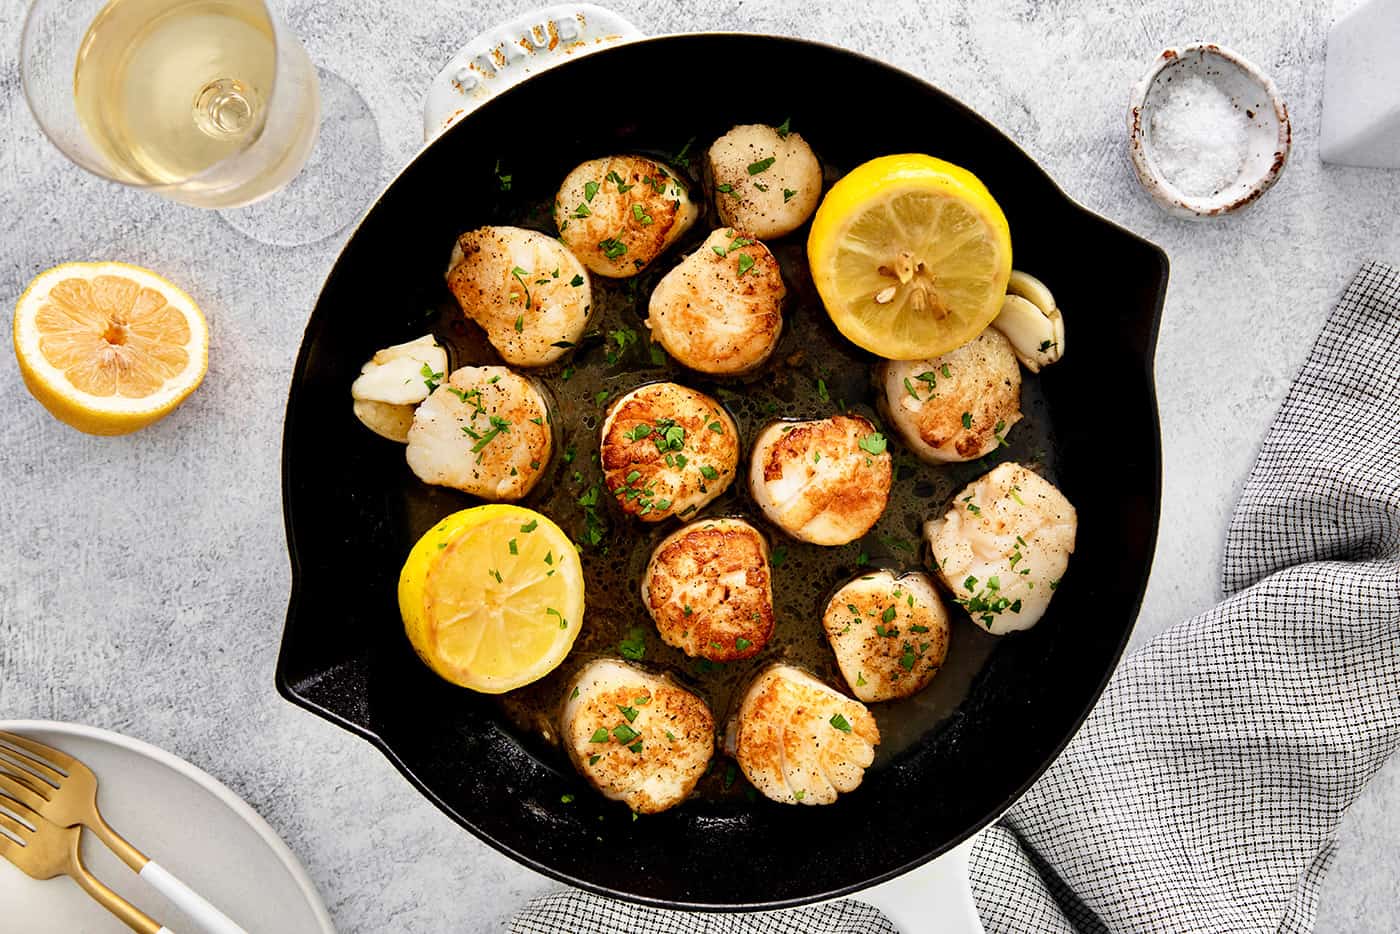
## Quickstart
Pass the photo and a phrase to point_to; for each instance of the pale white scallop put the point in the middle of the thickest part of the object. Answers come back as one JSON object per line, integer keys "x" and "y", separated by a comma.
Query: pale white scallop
{"x": 484, "y": 431}
{"x": 525, "y": 289}
{"x": 759, "y": 197}
{"x": 637, "y": 737}
{"x": 720, "y": 310}
{"x": 1003, "y": 546}
{"x": 957, "y": 407}
{"x": 799, "y": 741}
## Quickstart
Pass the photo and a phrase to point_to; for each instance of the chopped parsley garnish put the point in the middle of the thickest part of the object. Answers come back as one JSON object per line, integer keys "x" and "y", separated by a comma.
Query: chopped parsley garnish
{"x": 566, "y": 798}
{"x": 741, "y": 643}
{"x": 601, "y": 396}
{"x": 682, "y": 158}
{"x": 576, "y": 281}
{"x": 513, "y": 549}
{"x": 840, "y": 722}
{"x": 600, "y": 735}
{"x": 498, "y": 425}
{"x": 947, "y": 373}
{"x": 502, "y": 180}
{"x": 800, "y": 793}
{"x": 784, "y": 128}
{"x": 581, "y": 211}
{"x": 622, "y": 188}
{"x": 822, "y": 392}
{"x": 593, "y": 759}
{"x": 725, "y": 189}
{"x": 634, "y": 647}
{"x": 860, "y": 680}
{"x": 967, "y": 419}
{"x": 520, "y": 275}
{"x": 888, "y": 615}
{"x": 612, "y": 247}
{"x": 519, "y": 324}
{"x": 762, "y": 165}
{"x": 629, "y": 712}
{"x": 708, "y": 472}
{"x": 779, "y": 556}
{"x": 745, "y": 263}
{"x": 640, "y": 215}
{"x": 873, "y": 443}
{"x": 551, "y": 611}
{"x": 589, "y": 190}
{"x": 624, "y": 734}
{"x": 430, "y": 379}
{"x": 716, "y": 427}
{"x": 788, "y": 194}
{"x": 909, "y": 388}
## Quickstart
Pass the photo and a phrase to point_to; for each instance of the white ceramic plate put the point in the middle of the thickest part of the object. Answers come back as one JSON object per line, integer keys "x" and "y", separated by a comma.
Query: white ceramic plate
{"x": 179, "y": 816}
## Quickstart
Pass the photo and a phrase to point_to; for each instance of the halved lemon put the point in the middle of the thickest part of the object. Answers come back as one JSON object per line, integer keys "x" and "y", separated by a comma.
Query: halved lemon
{"x": 492, "y": 597}
{"x": 108, "y": 347}
{"x": 910, "y": 255}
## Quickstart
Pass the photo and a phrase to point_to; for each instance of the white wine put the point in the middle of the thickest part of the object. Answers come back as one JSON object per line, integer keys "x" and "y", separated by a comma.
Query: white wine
{"x": 177, "y": 94}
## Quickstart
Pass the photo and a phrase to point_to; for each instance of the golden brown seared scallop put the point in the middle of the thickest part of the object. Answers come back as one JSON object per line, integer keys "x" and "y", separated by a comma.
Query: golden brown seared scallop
{"x": 667, "y": 450}
{"x": 957, "y": 407}
{"x": 527, "y": 291}
{"x": 767, "y": 179}
{"x": 484, "y": 431}
{"x": 825, "y": 481}
{"x": 720, "y": 310}
{"x": 1003, "y": 546}
{"x": 710, "y": 591}
{"x": 637, "y": 737}
{"x": 619, "y": 213}
{"x": 889, "y": 634}
{"x": 800, "y": 741}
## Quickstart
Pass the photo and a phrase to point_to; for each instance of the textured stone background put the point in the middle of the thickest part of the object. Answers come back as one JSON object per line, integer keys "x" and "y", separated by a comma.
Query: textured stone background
{"x": 143, "y": 580}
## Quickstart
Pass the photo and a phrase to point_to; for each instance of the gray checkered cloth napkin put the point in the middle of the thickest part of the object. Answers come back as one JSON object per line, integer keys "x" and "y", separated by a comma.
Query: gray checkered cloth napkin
{"x": 1204, "y": 792}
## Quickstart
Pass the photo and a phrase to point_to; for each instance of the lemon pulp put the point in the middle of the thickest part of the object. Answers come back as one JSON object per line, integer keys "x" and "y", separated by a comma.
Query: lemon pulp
{"x": 910, "y": 255}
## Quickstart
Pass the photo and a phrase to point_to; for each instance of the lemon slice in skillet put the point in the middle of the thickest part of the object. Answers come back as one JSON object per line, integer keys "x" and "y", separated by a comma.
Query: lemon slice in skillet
{"x": 911, "y": 256}
{"x": 492, "y": 597}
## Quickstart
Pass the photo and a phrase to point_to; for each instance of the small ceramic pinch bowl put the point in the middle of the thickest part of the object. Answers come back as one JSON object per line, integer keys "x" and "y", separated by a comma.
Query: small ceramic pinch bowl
{"x": 1251, "y": 92}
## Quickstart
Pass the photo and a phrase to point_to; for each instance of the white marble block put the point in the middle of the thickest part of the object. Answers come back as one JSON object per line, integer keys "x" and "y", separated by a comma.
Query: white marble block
{"x": 1361, "y": 95}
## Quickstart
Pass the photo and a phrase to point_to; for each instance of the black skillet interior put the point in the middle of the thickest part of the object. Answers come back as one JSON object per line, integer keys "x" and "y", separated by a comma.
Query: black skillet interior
{"x": 353, "y": 509}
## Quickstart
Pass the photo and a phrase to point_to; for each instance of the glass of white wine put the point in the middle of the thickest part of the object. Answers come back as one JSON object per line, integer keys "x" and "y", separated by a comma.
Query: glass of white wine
{"x": 212, "y": 103}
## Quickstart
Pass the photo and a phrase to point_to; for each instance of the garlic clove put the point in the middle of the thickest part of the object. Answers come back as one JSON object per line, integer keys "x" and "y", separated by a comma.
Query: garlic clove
{"x": 1032, "y": 289}
{"x": 396, "y": 374}
{"x": 385, "y": 419}
{"x": 1036, "y": 337}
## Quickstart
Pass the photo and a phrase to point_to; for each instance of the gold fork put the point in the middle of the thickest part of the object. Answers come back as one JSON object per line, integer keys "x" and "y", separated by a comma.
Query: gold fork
{"x": 64, "y": 791}
{"x": 44, "y": 850}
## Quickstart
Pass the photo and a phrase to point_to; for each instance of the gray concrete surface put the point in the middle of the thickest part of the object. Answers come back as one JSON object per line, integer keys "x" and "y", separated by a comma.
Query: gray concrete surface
{"x": 143, "y": 580}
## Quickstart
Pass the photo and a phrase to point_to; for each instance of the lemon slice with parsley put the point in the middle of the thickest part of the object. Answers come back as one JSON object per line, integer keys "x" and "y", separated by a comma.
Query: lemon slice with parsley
{"x": 492, "y": 597}
{"x": 911, "y": 256}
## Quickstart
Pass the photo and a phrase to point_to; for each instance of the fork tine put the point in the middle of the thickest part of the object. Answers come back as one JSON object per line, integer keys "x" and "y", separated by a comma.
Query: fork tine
{"x": 13, "y": 826}
{"x": 14, "y": 760}
{"x": 22, "y": 793}
{"x": 26, "y": 780}
{"x": 60, "y": 759}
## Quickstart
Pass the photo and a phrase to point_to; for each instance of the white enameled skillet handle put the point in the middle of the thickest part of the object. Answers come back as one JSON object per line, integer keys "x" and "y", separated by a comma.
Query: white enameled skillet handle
{"x": 209, "y": 919}
{"x": 936, "y": 898}
{"x": 510, "y": 52}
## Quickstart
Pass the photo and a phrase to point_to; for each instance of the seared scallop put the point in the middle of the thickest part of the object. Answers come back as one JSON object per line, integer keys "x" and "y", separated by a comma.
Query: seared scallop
{"x": 767, "y": 179}
{"x": 825, "y": 481}
{"x": 637, "y": 737}
{"x": 800, "y": 741}
{"x": 710, "y": 591}
{"x": 619, "y": 213}
{"x": 889, "y": 634}
{"x": 957, "y": 407}
{"x": 667, "y": 450}
{"x": 720, "y": 310}
{"x": 527, "y": 291}
{"x": 1003, "y": 546}
{"x": 484, "y": 431}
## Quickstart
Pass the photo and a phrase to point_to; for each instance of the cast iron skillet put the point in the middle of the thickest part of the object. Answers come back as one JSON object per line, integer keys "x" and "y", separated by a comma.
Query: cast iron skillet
{"x": 353, "y": 509}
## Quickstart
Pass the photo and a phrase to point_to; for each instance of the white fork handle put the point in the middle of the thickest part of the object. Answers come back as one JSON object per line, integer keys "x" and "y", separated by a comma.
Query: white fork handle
{"x": 210, "y": 919}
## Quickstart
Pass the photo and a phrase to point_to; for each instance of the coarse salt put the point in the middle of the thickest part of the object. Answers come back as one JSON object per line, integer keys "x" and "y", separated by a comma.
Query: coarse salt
{"x": 1199, "y": 137}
